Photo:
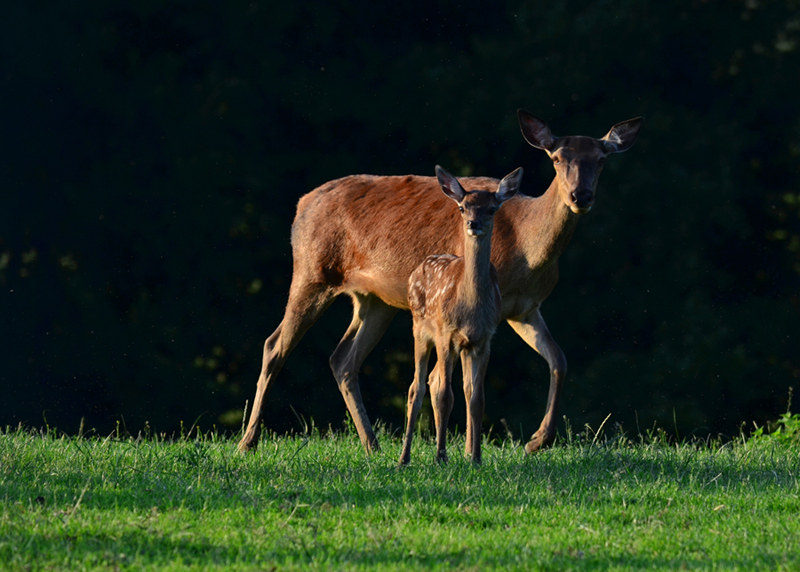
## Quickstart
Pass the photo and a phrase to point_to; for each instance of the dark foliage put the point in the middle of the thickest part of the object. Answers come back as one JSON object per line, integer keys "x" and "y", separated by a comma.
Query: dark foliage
{"x": 154, "y": 152}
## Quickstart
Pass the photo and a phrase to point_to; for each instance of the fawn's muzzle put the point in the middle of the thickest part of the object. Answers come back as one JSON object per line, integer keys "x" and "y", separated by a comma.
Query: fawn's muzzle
{"x": 474, "y": 228}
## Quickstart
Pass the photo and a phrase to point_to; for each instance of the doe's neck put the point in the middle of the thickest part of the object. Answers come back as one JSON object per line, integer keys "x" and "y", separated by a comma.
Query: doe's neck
{"x": 552, "y": 225}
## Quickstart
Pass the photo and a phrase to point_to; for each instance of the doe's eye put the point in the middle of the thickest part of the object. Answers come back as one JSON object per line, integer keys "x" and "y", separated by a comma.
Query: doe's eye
{"x": 492, "y": 210}
{"x": 556, "y": 161}
{"x": 461, "y": 209}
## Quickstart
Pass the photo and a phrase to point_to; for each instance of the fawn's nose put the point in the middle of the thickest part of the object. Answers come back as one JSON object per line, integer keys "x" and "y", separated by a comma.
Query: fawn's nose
{"x": 474, "y": 228}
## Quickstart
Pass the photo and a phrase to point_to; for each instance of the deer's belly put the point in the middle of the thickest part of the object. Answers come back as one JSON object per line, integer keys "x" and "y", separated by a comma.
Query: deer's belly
{"x": 389, "y": 289}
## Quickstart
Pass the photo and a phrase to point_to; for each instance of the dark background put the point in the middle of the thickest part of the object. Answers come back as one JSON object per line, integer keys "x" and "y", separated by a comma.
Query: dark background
{"x": 153, "y": 153}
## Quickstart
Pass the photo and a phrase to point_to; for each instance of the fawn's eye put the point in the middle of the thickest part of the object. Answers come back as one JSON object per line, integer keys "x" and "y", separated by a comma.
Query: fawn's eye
{"x": 601, "y": 162}
{"x": 556, "y": 161}
{"x": 461, "y": 209}
{"x": 492, "y": 210}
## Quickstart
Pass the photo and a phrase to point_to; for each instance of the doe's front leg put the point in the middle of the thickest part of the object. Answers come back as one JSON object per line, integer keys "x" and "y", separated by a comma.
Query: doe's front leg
{"x": 535, "y": 333}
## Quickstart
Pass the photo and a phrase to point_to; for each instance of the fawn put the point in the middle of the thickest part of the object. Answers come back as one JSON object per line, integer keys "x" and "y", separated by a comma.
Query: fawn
{"x": 455, "y": 303}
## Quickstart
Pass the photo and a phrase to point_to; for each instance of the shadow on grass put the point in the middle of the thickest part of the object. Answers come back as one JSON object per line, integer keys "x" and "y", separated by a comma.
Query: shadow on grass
{"x": 290, "y": 548}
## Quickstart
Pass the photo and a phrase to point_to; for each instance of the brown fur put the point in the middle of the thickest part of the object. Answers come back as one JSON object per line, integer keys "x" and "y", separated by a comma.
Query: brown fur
{"x": 363, "y": 235}
{"x": 368, "y": 233}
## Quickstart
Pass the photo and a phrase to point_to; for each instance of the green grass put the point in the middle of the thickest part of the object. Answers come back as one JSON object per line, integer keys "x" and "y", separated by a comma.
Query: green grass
{"x": 318, "y": 503}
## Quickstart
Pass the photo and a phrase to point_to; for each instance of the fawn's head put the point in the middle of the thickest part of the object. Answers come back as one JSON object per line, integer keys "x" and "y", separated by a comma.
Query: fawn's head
{"x": 578, "y": 160}
{"x": 478, "y": 208}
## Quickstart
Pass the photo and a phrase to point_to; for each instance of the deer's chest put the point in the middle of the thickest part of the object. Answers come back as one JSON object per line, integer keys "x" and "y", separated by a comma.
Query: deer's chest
{"x": 472, "y": 325}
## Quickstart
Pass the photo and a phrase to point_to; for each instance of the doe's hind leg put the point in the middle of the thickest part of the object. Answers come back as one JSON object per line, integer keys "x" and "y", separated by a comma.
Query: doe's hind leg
{"x": 306, "y": 304}
{"x": 371, "y": 317}
{"x": 416, "y": 393}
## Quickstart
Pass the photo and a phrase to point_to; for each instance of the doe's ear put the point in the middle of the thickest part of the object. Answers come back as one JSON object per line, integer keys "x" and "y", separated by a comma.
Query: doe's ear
{"x": 450, "y": 185}
{"x": 509, "y": 186}
{"x": 623, "y": 135}
{"x": 535, "y": 131}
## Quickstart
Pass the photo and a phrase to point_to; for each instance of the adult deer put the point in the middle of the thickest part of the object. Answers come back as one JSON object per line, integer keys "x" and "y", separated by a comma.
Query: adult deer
{"x": 455, "y": 302}
{"x": 363, "y": 235}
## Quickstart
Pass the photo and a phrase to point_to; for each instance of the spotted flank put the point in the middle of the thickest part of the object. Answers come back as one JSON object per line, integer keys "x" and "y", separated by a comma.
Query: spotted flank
{"x": 426, "y": 284}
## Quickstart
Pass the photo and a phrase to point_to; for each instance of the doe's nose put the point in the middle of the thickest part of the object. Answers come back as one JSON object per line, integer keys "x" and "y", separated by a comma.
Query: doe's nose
{"x": 581, "y": 199}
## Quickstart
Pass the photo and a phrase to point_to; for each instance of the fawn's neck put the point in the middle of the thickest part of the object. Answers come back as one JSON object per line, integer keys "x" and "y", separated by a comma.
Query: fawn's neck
{"x": 476, "y": 285}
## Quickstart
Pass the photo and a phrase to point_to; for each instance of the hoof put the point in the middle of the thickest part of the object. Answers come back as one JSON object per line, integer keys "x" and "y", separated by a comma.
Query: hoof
{"x": 248, "y": 443}
{"x": 372, "y": 447}
{"x": 245, "y": 447}
{"x": 537, "y": 443}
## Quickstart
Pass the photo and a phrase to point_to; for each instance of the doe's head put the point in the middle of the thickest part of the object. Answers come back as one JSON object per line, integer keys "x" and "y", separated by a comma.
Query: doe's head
{"x": 578, "y": 160}
{"x": 478, "y": 208}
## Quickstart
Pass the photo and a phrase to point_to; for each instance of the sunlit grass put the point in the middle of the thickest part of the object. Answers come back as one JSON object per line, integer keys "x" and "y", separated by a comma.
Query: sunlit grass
{"x": 313, "y": 502}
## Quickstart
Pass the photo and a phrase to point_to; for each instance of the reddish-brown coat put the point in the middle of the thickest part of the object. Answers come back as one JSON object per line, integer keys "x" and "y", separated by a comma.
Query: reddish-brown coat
{"x": 335, "y": 240}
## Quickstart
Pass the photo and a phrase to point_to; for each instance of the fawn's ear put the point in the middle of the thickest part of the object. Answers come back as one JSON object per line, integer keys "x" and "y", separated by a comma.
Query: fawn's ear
{"x": 622, "y": 136}
{"x": 509, "y": 186}
{"x": 535, "y": 131}
{"x": 450, "y": 185}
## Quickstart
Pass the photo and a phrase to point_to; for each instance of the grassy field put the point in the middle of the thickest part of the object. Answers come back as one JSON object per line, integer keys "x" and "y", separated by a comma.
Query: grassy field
{"x": 318, "y": 503}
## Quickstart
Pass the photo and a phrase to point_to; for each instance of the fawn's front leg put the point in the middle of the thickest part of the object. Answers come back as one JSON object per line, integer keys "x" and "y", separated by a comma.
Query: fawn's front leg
{"x": 442, "y": 398}
{"x": 473, "y": 365}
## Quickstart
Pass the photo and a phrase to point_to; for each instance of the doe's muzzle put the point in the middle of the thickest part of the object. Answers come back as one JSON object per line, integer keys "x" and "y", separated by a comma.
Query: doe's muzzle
{"x": 582, "y": 198}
